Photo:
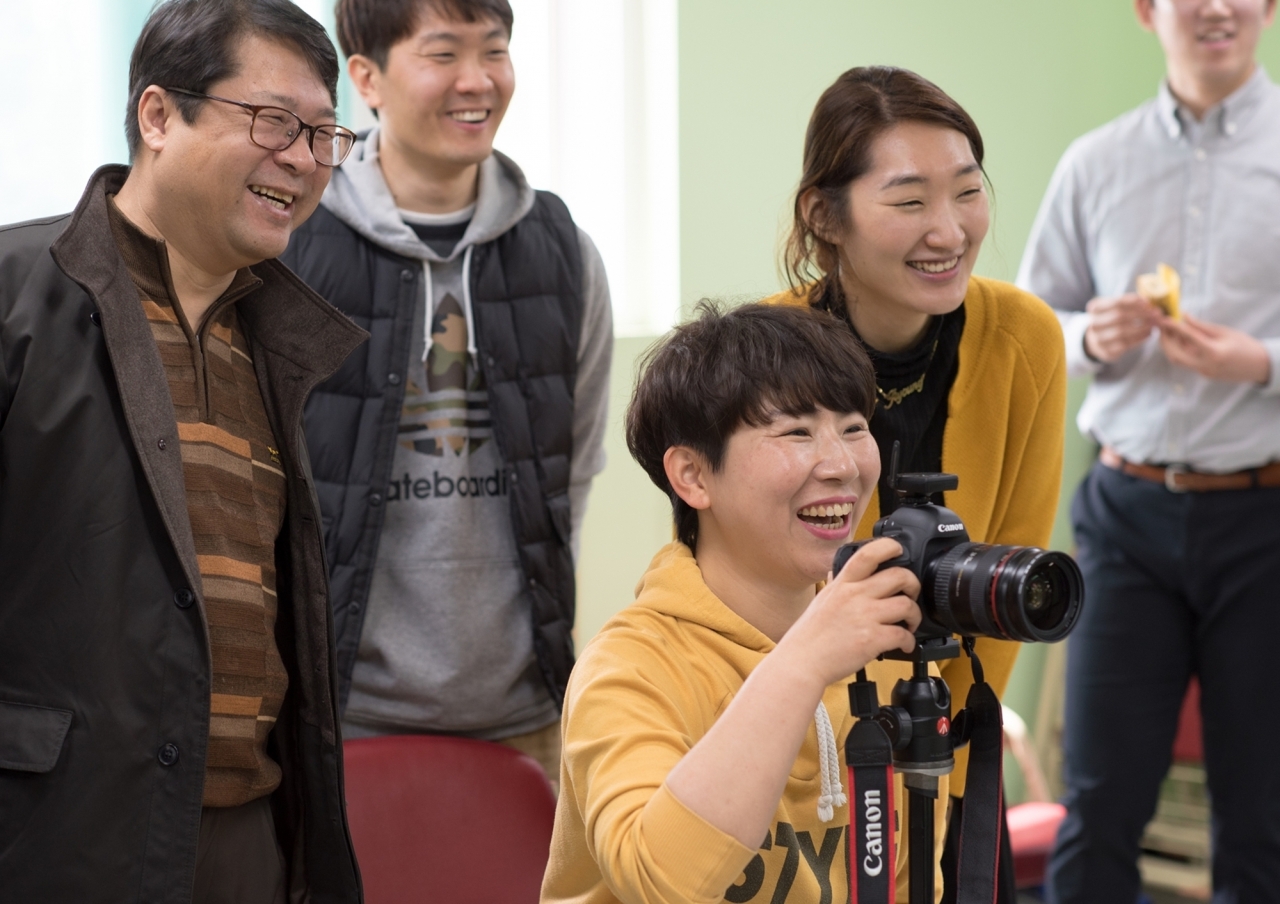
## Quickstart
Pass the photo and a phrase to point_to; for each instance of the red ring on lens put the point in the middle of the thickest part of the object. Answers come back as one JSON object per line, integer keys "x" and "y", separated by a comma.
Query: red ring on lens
{"x": 995, "y": 581}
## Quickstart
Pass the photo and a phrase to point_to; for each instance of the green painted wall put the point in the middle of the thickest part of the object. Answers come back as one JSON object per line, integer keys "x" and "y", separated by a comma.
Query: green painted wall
{"x": 1034, "y": 74}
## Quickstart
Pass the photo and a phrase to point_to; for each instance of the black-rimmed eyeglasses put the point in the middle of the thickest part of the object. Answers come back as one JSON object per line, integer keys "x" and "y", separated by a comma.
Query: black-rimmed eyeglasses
{"x": 275, "y": 128}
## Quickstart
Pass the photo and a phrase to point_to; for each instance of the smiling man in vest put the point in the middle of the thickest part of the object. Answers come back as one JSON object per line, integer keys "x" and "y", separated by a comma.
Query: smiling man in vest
{"x": 454, "y": 453}
{"x": 167, "y": 727}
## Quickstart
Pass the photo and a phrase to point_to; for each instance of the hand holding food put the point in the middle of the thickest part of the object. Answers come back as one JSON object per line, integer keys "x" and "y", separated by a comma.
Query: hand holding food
{"x": 1162, "y": 289}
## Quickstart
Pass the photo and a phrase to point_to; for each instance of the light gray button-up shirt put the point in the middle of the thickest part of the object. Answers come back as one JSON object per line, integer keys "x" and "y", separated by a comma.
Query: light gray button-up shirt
{"x": 1153, "y": 186}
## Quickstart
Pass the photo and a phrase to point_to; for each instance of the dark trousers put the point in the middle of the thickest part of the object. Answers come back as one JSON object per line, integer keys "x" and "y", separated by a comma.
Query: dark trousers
{"x": 1175, "y": 585}
{"x": 238, "y": 859}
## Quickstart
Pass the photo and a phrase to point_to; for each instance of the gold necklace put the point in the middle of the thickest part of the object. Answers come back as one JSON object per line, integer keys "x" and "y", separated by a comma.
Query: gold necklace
{"x": 892, "y": 397}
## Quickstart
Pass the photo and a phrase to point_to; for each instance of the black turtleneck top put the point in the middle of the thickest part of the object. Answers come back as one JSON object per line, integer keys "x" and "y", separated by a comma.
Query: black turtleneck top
{"x": 919, "y": 419}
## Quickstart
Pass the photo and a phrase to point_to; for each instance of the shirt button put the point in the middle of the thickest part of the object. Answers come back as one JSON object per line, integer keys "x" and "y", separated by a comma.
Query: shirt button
{"x": 168, "y": 754}
{"x": 96, "y": 318}
{"x": 1230, "y": 128}
{"x": 406, "y": 276}
{"x": 1193, "y": 211}
{"x": 375, "y": 499}
{"x": 184, "y": 598}
{"x": 161, "y": 444}
{"x": 1178, "y": 388}
{"x": 1202, "y": 154}
{"x": 393, "y": 379}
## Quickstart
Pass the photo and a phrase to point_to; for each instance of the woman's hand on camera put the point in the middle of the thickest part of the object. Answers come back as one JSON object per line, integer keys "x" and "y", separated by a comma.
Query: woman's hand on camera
{"x": 858, "y": 615}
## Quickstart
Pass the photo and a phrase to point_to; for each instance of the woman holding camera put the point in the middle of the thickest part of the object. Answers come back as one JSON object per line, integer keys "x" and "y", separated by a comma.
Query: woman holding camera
{"x": 889, "y": 217}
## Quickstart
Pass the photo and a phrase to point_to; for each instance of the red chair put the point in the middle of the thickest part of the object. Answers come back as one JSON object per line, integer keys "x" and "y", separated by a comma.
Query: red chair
{"x": 441, "y": 819}
{"x": 1188, "y": 743}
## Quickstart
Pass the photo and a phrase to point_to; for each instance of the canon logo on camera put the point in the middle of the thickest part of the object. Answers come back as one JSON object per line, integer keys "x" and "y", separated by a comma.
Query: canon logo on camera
{"x": 950, "y": 528}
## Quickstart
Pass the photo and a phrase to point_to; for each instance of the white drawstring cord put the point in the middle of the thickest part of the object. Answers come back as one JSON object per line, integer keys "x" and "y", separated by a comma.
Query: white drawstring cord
{"x": 828, "y": 766}
{"x": 427, "y": 335}
{"x": 466, "y": 302}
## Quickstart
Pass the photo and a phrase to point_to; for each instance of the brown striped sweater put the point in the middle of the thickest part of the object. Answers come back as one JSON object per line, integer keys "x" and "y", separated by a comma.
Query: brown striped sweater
{"x": 235, "y": 489}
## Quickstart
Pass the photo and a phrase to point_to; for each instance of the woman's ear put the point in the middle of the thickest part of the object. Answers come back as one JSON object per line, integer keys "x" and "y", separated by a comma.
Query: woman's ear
{"x": 687, "y": 472}
{"x": 816, "y": 213}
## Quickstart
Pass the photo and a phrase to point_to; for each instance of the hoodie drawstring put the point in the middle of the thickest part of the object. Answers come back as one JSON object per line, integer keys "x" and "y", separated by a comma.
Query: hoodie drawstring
{"x": 828, "y": 766}
{"x": 428, "y": 335}
{"x": 466, "y": 302}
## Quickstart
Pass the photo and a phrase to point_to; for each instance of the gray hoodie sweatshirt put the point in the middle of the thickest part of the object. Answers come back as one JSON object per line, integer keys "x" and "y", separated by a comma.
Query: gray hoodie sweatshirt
{"x": 448, "y": 642}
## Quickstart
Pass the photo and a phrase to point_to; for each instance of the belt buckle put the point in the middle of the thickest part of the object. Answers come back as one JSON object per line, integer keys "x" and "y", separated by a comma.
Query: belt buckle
{"x": 1170, "y": 473}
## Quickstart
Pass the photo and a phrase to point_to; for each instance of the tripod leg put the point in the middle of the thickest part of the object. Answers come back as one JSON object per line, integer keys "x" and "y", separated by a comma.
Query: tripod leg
{"x": 922, "y": 791}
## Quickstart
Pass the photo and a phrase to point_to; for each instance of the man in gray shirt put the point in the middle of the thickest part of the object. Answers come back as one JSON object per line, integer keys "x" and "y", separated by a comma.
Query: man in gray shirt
{"x": 454, "y": 452}
{"x": 1176, "y": 526}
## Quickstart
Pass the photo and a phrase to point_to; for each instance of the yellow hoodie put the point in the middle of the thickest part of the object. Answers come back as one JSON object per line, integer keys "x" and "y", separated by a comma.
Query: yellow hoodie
{"x": 1004, "y": 437}
{"x": 644, "y": 691}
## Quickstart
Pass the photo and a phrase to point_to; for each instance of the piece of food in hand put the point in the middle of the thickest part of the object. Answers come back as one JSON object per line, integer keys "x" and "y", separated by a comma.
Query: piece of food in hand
{"x": 1162, "y": 289}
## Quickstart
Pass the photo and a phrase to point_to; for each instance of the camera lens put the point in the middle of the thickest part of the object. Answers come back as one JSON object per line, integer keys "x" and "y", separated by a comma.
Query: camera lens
{"x": 1011, "y": 592}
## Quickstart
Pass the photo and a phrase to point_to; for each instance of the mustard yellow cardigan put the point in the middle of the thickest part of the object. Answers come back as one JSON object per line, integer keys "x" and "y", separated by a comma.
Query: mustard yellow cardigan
{"x": 1004, "y": 438}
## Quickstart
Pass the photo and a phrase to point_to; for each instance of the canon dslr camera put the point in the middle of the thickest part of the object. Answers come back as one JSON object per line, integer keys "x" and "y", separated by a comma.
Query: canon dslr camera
{"x": 1018, "y": 593}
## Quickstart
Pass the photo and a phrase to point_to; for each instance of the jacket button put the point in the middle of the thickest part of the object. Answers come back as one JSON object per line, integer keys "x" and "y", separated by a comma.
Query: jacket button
{"x": 406, "y": 276}
{"x": 533, "y": 584}
{"x": 375, "y": 499}
{"x": 96, "y": 318}
{"x": 354, "y": 608}
{"x": 490, "y": 360}
{"x": 184, "y": 598}
{"x": 161, "y": 444}
{"x": 393, "y": 379}
{"x": 168, "y": 754}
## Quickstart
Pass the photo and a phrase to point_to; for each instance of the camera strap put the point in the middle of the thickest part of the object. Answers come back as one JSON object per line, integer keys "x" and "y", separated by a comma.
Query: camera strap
{"x": 872, "y": 817}
{"x": 980, "y": 821}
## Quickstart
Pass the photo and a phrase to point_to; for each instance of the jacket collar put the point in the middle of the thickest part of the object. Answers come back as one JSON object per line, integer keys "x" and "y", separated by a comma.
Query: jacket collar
{"x": 284, "y": 315}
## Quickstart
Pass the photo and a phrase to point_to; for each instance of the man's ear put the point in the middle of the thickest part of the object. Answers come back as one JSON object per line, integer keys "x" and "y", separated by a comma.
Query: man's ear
{"x": 687, "y": 471}
{"x": 1143, "y": 9}
{"x": 366, "y": 75}
{"x": 155, "y": 111}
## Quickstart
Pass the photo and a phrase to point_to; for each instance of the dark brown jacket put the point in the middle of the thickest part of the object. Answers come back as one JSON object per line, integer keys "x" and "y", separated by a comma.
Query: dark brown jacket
{"x": 104, "y": 656}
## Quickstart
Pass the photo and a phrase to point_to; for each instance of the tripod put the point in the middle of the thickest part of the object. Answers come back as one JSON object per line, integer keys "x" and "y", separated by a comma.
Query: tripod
{"x": 914, "y": 735}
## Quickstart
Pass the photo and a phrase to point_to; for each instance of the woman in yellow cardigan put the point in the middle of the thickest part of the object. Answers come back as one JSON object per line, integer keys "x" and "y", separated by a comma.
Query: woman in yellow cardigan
{"x": 889, "y": 217}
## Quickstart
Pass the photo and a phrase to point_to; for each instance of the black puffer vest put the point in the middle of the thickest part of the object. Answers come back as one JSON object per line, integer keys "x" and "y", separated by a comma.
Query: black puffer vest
{"x": 526, "y": 293}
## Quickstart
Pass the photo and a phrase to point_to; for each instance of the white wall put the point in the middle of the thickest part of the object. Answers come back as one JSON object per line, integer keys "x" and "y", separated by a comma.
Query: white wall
{"x": 60, "y": 116}
{"x": 594, "y": 119}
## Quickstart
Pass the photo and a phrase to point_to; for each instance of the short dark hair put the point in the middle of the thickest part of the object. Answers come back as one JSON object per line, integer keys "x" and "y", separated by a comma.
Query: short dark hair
{"x": 192, "y": 44}
{"x": 371, "y": 27}
{"x": 724, "y": 369}
{"x": 861, "y": 105}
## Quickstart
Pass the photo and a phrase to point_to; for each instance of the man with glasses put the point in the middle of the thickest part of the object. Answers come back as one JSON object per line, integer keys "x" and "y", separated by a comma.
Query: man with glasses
{"x": 1176, "y": 524}
{"x": 168, "y": 731}
{"x": 454, "y": 452}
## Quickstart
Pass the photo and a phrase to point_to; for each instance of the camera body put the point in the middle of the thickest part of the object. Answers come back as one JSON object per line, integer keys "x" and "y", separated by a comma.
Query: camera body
{"x": 1018, "y": 593}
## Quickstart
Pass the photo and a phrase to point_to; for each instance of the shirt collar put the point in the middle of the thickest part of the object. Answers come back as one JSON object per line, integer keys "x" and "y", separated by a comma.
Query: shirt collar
{"x": 1226, "y": 118}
